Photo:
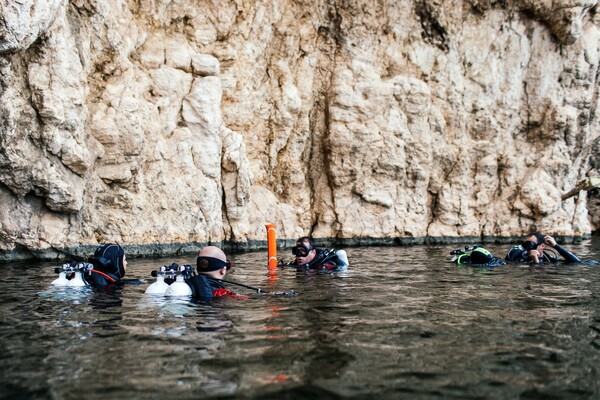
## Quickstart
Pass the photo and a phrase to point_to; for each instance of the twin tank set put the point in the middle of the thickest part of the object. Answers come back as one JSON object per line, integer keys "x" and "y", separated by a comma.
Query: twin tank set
{"x": 170, "y": 279}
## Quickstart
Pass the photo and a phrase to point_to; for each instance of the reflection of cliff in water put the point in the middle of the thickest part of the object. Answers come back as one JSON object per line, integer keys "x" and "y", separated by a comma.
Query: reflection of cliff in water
{"x": 95, "y": 328}
{"x": 402, "y": 321}
{"x": 325, "y": 320}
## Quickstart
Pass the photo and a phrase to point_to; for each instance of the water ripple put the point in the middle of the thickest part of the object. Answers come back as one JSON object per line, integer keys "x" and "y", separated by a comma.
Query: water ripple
{"x": 401, "y": 322}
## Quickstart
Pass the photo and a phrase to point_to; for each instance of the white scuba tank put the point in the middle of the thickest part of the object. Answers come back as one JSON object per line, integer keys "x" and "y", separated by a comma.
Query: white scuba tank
{"x": 77, "y": 280}
{"x": 61, "y": 280}
{"x": 342, "y": 256}
{"x": 159, "y": 287}
{"x": 179, "y": 288}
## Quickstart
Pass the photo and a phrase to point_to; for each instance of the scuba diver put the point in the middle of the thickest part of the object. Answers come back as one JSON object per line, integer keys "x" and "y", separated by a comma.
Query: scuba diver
{"x": 110, "y": 265}
{"x": 107, "y": 266}
{"x": 212, "y": 266}
{"x": 534, "y": 251}
{"x": 310, "y": 257}
{"x": 203, "y": 283}
{"x": 475, "y": 256}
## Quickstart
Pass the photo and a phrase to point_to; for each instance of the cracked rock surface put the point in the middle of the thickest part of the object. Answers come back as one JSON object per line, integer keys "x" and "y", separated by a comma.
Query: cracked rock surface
{"x": 184, "y": 122}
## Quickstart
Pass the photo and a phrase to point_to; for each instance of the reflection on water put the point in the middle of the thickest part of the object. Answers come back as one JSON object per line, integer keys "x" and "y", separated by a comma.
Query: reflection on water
{"x": 400, "y": 322}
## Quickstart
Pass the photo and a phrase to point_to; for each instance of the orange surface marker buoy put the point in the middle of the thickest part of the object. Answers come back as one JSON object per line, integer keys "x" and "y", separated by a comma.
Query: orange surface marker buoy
{"x": 272, "y": 247}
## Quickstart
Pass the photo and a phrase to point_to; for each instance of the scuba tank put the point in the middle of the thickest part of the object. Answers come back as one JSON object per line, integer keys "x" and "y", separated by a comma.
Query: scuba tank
{"x": 179, "y": 287}
{"x": 160, "y": 286}
{"x": 76, "y": 271}
{"x": 172, "y": 280}
{"x": 475, "y": 256}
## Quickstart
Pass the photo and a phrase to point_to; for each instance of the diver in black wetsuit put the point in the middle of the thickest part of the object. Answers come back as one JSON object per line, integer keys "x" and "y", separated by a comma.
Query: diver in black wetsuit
{"x": 212, "y": 266}
{"x": 310, "y": 257}
{"x": 109, "y": 264}
{"x": 533, "y": 250}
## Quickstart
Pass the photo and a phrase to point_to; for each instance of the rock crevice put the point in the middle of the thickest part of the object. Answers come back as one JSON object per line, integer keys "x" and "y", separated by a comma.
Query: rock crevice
{"x": 189, "y": 122}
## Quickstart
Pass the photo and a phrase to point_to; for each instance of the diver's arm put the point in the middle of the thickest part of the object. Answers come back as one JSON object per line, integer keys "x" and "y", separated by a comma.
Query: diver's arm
{"x": 568, "y": 256}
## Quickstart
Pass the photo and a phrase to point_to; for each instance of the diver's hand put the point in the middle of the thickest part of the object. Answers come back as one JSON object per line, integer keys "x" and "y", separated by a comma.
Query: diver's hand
{"x": 549, "y": 240}
{"x": 534, "y": 256}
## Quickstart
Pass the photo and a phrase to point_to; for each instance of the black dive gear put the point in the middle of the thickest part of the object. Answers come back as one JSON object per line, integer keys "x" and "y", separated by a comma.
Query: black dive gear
{"x": 108, "y": 258}
{"x": 202, "y": 286}
{"x": 325, "y": 260}
{"x": 475, "y": 256}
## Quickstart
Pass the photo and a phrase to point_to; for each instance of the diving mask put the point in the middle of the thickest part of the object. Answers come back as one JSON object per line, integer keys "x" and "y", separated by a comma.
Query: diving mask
{"x": 301, "y": 250}
{"x": 528, "y": 245}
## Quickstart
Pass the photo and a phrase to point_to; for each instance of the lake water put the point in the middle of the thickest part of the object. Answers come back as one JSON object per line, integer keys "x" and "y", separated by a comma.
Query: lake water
{"x": 402, "y": 322}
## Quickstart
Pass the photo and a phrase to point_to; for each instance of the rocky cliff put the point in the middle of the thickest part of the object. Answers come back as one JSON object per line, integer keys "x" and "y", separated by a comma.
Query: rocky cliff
{"x": 150, "y": 122}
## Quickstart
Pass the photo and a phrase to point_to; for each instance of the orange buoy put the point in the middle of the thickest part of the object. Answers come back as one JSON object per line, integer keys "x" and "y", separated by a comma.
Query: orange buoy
{"x": 272, "y": 246}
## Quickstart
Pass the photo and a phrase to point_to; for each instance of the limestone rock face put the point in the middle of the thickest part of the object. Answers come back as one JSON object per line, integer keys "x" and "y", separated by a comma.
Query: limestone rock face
{"x": 181, "y": 122}
{"x": 24, "y": 21}
{"x": 594, "y": 194}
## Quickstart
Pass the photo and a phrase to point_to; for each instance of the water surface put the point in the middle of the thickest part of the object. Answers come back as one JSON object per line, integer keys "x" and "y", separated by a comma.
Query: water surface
{"x": 402, "y": 322}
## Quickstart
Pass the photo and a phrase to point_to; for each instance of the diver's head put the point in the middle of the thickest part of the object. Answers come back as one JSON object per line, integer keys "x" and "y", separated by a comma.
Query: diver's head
{"x": 212, "y": 261}
{"x": 534, "y": 241}
{"x": 304, "y": 251}
{"x": 110, "y": 258}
